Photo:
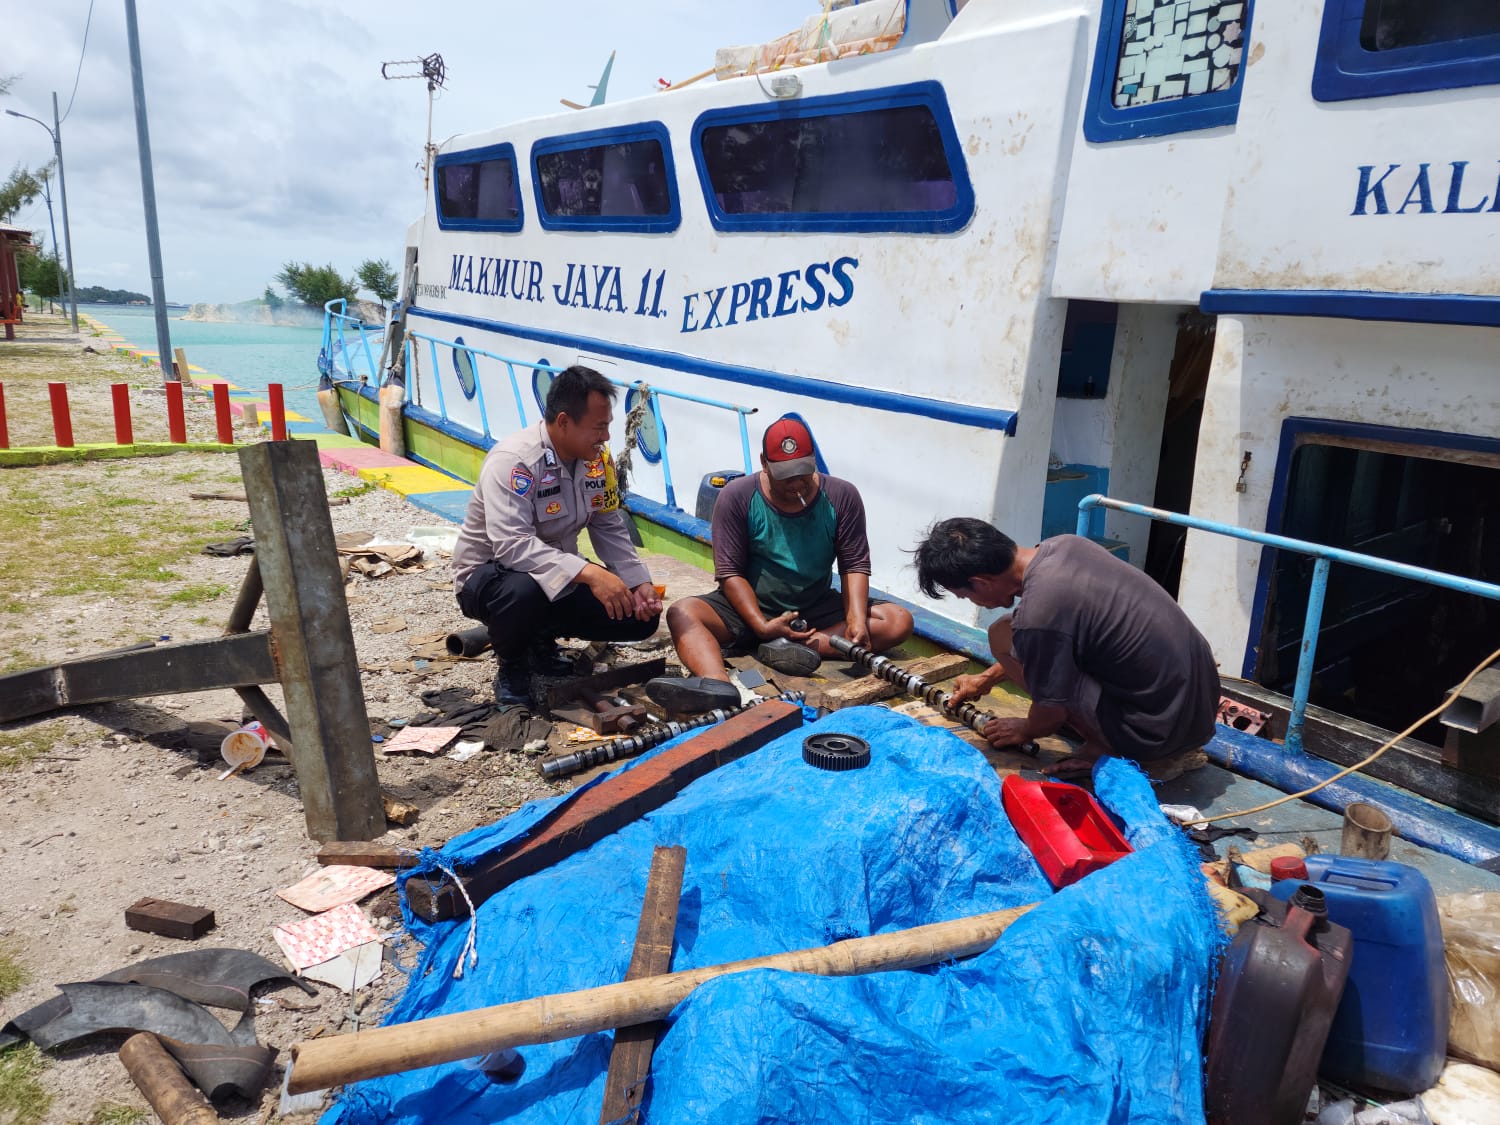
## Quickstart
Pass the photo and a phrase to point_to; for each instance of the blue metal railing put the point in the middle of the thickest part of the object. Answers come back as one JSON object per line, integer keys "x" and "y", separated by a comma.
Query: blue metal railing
{"x": 336, "y": 324}
{"x": 1324, "y": 556}
{"x": 336, "y": 345}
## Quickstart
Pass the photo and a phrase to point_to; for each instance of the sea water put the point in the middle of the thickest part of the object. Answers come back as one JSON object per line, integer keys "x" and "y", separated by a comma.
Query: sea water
{"x": 248, "y": 355}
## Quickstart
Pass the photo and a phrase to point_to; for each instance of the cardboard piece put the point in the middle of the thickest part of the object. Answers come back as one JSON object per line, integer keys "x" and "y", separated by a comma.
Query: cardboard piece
{"x": 323, "y": 937}
{"x": 334, "y": 885}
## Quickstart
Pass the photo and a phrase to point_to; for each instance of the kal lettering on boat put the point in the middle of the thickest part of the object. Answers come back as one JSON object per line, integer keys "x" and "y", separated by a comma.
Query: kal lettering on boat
{"x": 520, "y": 480}
{"x": 820, "y": 284}
{"x": 1370, "y": 196}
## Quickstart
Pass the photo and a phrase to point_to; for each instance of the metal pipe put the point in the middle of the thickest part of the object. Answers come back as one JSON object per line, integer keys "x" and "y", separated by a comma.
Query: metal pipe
{"x": 62, "y": 183}
{"x": 661, "y": 432}
{"x": 1307, "y": 658}
{"x": 631, "y": 745}
{"x": 1416, "y": 820}
{"x": 148, "y": 195}
{"x": 1317, "y": 550}
{"x": 468, "y": 642}
{"x": 932, "y": 695}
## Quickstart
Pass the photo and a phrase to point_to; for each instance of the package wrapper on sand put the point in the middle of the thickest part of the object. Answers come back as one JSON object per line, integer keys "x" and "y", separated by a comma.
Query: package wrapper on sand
{"x": 856, "y": 29}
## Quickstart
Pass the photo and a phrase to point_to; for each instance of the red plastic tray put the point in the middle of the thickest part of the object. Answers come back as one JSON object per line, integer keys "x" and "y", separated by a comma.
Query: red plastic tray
{"x": 1066, "y": 829}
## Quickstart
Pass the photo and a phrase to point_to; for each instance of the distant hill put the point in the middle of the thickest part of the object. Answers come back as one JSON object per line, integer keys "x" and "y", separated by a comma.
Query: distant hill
{"x": 98, "y": 295}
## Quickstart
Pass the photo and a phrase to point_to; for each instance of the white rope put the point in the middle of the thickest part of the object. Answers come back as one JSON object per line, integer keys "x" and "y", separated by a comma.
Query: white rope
{"x": 470, "y": 946}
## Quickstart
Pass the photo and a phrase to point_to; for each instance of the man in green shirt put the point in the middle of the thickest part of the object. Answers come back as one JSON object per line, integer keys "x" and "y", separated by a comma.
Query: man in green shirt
{"x": 776, "y": 537}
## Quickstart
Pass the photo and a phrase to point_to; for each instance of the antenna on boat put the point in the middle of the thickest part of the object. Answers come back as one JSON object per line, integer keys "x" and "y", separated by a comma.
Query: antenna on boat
{"x": 436, "y": 74}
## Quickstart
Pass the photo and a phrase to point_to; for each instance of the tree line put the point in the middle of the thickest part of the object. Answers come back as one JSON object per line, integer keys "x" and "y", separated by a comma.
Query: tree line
{"x": 315, "y": 286}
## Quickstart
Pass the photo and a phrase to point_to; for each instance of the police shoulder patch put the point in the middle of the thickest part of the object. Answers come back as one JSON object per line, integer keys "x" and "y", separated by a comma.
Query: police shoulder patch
{"x": 520, "y": 480}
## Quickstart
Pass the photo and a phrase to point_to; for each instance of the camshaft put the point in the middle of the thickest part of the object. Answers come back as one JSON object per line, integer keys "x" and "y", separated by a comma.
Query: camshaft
{"x": 629, "y": 746}
{"x": 970, "y": 716}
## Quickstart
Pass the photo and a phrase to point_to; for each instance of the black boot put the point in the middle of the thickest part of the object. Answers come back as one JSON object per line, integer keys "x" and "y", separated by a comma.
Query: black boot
{"x": 790, "y": 657}
{"x": 547, "y": 659}
{"x": 513, "y": 683}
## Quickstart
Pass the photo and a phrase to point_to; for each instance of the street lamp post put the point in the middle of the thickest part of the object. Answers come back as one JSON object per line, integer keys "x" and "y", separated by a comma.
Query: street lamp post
{"x": 55, "y": 132}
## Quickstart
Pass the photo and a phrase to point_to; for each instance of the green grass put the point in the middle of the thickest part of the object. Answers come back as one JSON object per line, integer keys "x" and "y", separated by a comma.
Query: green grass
{"x": 199, "y": 592}
{"x": 12, "y": 974}
{"x": 17, "y": 748}
{"x": 112, "y": 1113}
{"x": 362, "y": 487}
{"x": 23, "y": 1100}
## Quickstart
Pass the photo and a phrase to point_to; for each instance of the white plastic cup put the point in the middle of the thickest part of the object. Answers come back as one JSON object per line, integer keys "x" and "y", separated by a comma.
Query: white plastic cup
{"x": 244, "y": 749}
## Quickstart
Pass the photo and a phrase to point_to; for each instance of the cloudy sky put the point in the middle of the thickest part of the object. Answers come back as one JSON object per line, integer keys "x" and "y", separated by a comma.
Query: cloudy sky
{"x": 273, "y": 136}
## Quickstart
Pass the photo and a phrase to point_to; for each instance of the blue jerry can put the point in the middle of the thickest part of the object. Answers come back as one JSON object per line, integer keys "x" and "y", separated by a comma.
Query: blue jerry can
{"x": 708, "y": 491}
{"x": 1391, "y": 1028}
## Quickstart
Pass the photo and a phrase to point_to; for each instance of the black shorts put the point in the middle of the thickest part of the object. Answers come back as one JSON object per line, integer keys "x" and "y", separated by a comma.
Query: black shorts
{"x": 827, "y": 610}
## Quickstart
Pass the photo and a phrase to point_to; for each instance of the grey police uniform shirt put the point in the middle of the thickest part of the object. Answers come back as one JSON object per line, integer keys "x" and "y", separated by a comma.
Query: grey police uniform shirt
{"x": 528, "y": 508}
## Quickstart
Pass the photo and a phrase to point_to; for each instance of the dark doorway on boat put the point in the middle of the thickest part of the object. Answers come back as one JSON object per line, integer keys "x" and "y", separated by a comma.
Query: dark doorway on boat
{"x": 1188, "y": 383}
{"x": 1389, "y": 648}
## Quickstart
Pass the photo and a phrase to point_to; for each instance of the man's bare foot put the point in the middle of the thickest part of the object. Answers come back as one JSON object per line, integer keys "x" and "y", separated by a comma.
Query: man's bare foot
{"x": 1073, "y": 766}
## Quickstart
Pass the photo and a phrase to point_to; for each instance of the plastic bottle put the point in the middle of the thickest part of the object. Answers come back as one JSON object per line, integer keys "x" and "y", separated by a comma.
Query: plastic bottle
{"x": 1391, "y": 1030}
{"x": 1279, "y": 985}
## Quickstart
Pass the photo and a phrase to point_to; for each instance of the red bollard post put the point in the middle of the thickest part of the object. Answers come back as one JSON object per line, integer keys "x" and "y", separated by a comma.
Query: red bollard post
{"x": 62, "y": 418}
{"x": 221, "y": 414}
{"x": 278, "y": 412}
{"x": 4, "y": 432}
{"x": 124, "y": 434}
{"x": 176, "y": 422}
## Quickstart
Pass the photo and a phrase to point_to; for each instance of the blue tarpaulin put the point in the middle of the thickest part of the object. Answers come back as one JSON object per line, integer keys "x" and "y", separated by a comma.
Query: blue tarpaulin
{"x": 1089, "y": 1009}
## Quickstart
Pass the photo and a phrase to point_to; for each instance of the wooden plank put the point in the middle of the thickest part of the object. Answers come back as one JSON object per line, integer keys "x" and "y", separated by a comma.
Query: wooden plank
{"x": 169, "y": 919}
{"x": 630, "y": 1058}
{"x": 360, "y": 853}
{"x": 592, "y": 814}
{"x": 872, "y": 689}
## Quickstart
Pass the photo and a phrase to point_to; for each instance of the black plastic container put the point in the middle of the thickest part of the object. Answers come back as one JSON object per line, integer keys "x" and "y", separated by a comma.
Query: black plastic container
{"x": 708, "y": 491}
{"x": 1279, "y": 986}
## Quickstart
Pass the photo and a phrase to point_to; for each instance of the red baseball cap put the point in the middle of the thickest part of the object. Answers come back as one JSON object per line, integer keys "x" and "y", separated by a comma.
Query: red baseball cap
{"x": 788, "y": 449}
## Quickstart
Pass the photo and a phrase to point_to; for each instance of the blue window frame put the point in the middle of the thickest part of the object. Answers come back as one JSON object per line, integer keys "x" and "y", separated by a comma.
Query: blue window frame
{"x": 541, "y": 383}
{"x": 463, "y": 367}
{"x": 879, "y": 160}
{"x": 1167, "y": 66}
{"x": 478, "y": 189}
{"x": 1372, "y": 48}
{"x": 608, "y": 179}
{"x": 647, "y": 439}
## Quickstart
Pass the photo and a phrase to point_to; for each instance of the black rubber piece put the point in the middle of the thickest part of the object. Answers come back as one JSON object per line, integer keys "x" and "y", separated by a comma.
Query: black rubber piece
{"x": 835, "y": 751}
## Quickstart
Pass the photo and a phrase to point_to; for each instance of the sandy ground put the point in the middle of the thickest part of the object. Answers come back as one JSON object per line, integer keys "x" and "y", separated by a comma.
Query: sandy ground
{"x": 123, "y": 801}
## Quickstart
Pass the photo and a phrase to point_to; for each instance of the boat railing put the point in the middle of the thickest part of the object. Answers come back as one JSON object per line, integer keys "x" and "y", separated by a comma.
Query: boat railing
{"x": 1324, "y": 557}
{"x": 652, "y": 396}
{"x": 336, "y": 356}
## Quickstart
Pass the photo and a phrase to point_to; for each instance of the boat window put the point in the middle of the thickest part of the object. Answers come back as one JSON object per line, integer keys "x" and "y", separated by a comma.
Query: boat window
{"x": 1430, "y": 507}
{"x": 610, "y": 179}
{"x": 1371, "y": 48}
{"x": 1167, "y": 66}
{"x": 477, "y": 190}
{"x": 881, "y": 160}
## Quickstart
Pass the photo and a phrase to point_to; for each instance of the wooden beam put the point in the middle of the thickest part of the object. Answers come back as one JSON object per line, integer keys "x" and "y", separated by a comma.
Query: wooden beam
{"x": 594, "y": 813}
{"x": 159, "y": 1078}
{"x": 872, "y": 689}
{"x": 630, "y": 1058}
{"x": 319, "y": 672}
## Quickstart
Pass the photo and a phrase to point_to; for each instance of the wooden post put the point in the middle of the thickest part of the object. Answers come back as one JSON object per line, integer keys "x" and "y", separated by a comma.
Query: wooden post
{"x": 62, "y": 417}
{"x": 176, "y": 419}
{"x": 630, "y": 1059}
{"x": 181, "y": 366}
{"x": 4, "y": 430}
{"x": 1367, "y": 832}
{"x": 159, "y": 1078}
{"x": 339, "y": 1059}
{"x": 319, "y": 673}
{"x": 223, "y": 422}
{"x": 277, "y": 403}
{"x": 124, "y": 432}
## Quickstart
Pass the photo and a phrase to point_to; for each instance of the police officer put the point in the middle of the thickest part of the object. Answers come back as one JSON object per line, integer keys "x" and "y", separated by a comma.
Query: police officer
{"x": 516, "y": 566}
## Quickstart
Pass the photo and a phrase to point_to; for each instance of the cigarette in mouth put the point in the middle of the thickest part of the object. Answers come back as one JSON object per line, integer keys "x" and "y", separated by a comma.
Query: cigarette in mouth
{"x": 802, "y": 500}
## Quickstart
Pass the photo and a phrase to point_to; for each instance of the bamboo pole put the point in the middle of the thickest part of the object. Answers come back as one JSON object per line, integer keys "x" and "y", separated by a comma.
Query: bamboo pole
{"x": 320, "y": 1063}
{"x": 157, "y": 1076}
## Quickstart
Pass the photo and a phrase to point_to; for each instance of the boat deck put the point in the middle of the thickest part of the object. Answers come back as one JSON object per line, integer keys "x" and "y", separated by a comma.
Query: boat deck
{"x": 1209, "y": 788}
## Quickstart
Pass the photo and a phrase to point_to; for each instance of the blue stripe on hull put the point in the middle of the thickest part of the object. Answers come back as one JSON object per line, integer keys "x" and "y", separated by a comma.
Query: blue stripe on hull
{"x": 980, "y": 417}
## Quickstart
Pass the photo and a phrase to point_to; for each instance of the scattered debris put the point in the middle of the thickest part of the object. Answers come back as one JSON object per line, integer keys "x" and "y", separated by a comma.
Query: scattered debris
{"x": 323, "y": 937}
{"x": 334, "y": 885}
{"x": 425, "y": 739}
